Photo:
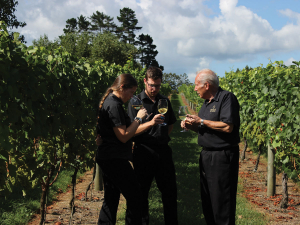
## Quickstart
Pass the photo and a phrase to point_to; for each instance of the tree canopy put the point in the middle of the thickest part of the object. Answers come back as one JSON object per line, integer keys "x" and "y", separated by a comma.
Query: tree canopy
{"x": 141, "y": 49}
{"x": 128, "y": 26}
{"x": 175, "y": 80}
{"x": 7, "y": 14}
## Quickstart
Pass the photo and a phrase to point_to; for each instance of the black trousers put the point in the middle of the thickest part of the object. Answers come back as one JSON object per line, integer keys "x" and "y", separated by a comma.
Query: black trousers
{"x": 156, "y": 162}
{"x": 119, "y": 177}
{"x": 218, "y": 181}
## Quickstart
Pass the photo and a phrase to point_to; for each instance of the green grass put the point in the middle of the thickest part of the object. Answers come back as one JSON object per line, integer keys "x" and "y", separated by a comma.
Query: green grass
{"x": 17, "y": 210}
{"x": 248, "y": 214}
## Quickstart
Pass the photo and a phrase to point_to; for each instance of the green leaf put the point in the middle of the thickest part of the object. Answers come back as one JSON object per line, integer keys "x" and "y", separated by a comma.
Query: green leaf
{"x": 274, "y": 92}
{"x": 276, "y": 144}
{"x": 286, "y": 160}
{"x": 294, "y": 175}
{"x": 3, "y": 158}
{"x": 50, "y": 58}
{"x": 16, "y": 36}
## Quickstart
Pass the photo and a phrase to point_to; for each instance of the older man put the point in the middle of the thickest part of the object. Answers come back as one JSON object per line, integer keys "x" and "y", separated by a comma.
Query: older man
{"x": 217, "y": 125}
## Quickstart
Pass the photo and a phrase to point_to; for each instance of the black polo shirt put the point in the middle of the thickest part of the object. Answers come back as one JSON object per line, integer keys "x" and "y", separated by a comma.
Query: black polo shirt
{"x": 223, "y": 107}
{"x": 156, "y": 135}
{"x": 112, "y": 114}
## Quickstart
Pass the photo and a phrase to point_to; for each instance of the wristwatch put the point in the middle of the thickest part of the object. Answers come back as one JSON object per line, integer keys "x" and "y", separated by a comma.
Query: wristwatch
{"x": 138, "y": 119}
{"x": 201, "y": 123}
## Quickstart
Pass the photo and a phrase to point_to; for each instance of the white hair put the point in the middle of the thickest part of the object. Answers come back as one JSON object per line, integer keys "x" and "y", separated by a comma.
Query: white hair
{"x": 208, "y": 76}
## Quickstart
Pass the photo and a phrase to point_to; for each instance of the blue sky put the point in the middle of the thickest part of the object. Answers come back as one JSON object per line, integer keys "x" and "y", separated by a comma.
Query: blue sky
{"x": 189, "y": 34}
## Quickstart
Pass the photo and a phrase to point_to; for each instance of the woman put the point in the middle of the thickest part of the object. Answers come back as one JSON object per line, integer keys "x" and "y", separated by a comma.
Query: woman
{"x": 113, "y": 155}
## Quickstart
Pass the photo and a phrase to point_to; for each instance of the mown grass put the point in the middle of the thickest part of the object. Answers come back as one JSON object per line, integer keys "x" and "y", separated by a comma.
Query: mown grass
{"x": 17, "y": 210}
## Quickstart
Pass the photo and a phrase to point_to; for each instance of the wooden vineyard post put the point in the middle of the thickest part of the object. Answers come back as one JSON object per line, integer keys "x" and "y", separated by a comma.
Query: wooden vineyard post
{"x": 271, "y": 172}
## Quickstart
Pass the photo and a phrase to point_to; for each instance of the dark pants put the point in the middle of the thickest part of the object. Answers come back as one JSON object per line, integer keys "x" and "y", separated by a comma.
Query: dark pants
{"x": 119, "y": 177}
{"x": 218, "y": 181}
{"x": 156, "y": 162}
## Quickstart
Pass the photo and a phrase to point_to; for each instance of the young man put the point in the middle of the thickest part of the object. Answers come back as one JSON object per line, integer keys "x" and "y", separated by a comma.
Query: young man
{"x": 217, "y": 125}
{"x": 152, "y": 156}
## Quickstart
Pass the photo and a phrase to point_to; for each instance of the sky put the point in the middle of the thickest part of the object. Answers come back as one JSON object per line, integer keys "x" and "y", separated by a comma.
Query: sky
{"x": 189, "y": 35}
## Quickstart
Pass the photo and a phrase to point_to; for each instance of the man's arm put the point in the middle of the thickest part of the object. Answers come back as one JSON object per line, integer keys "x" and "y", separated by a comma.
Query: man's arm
{"x": 145, "y": 126}
{"x": 219, "y": 126}
{"x": 192, "y": 122}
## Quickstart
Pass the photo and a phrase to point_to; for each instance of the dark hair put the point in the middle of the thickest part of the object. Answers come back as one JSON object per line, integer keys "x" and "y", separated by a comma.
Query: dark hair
{"x": 125, "y": 79}
{"x": 153, "y": 73}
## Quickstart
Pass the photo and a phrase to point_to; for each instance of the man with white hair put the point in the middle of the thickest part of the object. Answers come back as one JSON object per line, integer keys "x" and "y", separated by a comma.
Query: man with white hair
{"x": 217, "y": 125}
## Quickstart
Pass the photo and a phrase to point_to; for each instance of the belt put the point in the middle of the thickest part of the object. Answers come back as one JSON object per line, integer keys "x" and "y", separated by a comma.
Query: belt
{"x": 219, "y": 149}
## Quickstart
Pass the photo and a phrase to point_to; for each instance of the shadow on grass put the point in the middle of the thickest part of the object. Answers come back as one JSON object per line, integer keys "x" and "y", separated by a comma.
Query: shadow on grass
{"x": 185, "y": 155}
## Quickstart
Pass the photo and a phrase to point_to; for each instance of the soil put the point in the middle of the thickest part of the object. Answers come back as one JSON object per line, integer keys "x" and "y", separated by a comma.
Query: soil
{"x": 254, "y": 190}
{"x": 86, "y": 209}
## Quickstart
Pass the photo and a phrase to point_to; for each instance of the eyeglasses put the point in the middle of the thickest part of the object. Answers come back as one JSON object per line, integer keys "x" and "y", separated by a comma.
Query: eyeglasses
{"x": 154, "y": 85}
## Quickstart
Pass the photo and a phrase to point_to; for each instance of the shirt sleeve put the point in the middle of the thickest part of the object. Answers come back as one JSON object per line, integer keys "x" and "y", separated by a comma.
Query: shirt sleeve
{"x": 230, "y": 109}
{"x": 131, "y": 112}
{"x": 117, "y": 115}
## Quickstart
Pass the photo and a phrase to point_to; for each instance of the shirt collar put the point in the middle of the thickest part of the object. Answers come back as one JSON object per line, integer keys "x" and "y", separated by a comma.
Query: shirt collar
{"x": 144, "y": 95}
{"x": 216, "y": 97}
{"x": 116, "y": 98}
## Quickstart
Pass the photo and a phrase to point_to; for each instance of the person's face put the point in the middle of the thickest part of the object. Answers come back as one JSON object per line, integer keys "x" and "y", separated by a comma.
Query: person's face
{"x": 200, "y": 88}
{"x": 126, "y": 94}
{"x": 152, "y": 87}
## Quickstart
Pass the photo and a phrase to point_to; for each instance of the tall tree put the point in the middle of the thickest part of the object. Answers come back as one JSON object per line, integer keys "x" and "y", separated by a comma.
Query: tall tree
{"x": 128, "y": 22}
{"x": 147, "y": 51}
{"x": 83, "y": 24}
{"x": 71, "y": 26}
{"x": 102, "y": 22}
{"x": 7, "y": 14}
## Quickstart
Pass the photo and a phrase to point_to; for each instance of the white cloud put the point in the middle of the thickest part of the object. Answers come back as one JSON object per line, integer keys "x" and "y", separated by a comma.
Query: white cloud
{"x": 187, "y": 33}
{"x": 289, "y": 61}
{"x": 291, "y": 14}
{"x": 204, "y": 63}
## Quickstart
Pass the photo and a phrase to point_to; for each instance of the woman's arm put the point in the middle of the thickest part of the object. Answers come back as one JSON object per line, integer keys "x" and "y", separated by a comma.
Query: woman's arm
{"x": 125, "y": 134}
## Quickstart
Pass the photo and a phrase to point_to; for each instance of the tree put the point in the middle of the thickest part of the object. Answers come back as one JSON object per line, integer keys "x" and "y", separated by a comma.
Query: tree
{"x": 7, "y": 14}
{"x": 128, "y": 20}
{"x": 78, "y": 44}
{"x": 83, "y": 24}
{"x": 71, "y": 26}
{"x": 108, "y": 47}
{"x": 175, "y": 80}
{"x": 101, "y": 22}
{"x": 44, "y": 41}
{"x": 147, "y": 51}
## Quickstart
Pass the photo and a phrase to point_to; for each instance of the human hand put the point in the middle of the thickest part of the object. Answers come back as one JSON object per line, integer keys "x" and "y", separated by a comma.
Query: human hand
{"x": 193, "y": 119}
{"x": 158, "y": 119}
{"x": 99, "y": 140}
{"x": 183, "y": 124}
{"x": 142, "y": 113}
